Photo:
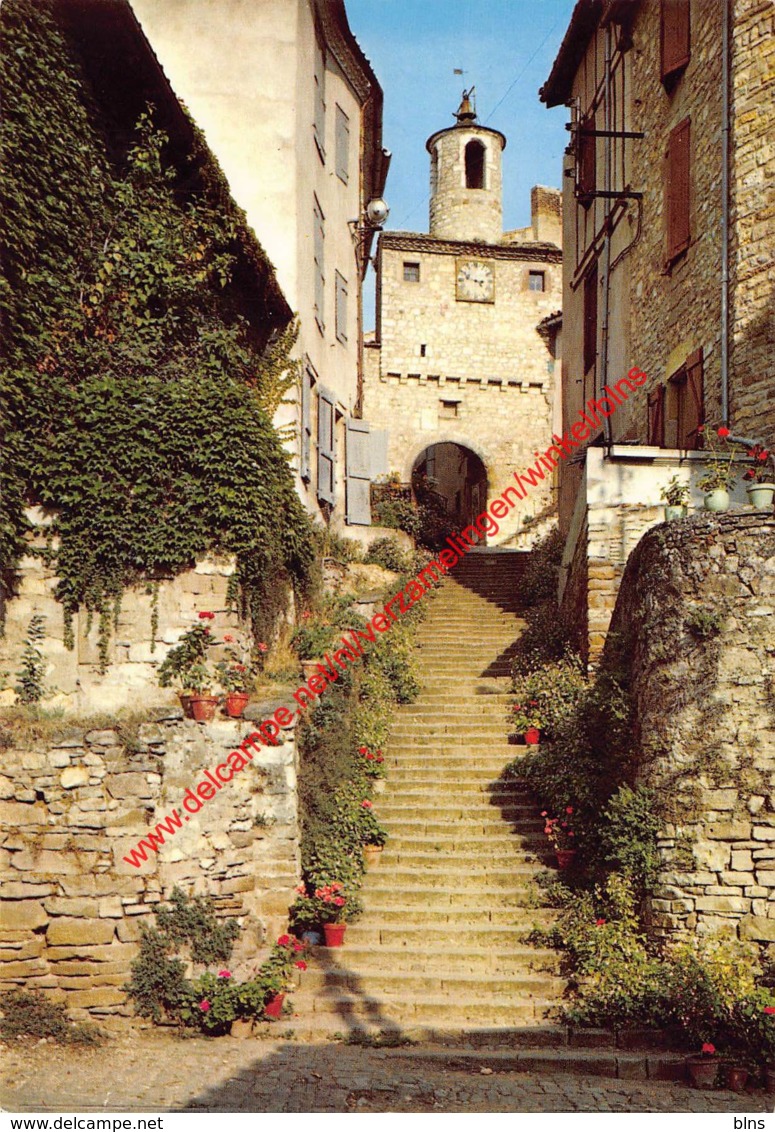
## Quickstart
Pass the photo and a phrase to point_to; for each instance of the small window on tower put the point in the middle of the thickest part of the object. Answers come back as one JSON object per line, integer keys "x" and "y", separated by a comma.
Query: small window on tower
{"x": 411, "y": 272}
{"x": 448, "y": 409}
{"x": 536, "y": 281}
{"x": 475, "y": 165}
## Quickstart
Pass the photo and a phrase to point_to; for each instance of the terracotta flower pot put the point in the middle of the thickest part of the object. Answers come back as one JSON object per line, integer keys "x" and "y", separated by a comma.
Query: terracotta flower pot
{"x": 717, "y": 500}
{"x": 274, "y": 1007}
{"x": 235, "y": 703}
{"x": 565, "y": 857}
{"x": 242, "y": 1028}
{"x": 702, "y": 1071}
{"x": 334, "y": 934}
{"x": 760, "y": 495}
{"x": 203, "y": 708}
{"x": 371, "y": 855}
{"x": 532, "y": 736}
{"x": 736, "y": 1077}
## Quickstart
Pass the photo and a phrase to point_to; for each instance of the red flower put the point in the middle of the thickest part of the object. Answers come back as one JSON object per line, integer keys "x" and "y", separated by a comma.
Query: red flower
{"x": 298, "y": 945}
{"x": 569, "y": 809}
{"x": 749, "y": 475}
{"x": 302, "y": 888}
{"x": 763, "y": 456}
{"x": 723, "y": 433}
{"x": 204, "y": 1005}
{"x": 380, "y": 759}
{"x": 224, "y": 974}
{"x": 534, "y": 703}
{"x": 363, "y": 750}
{"x": 339, "y": 901}
{"x": 227, "y": 638}
{"x": 367, "y": 805}
{"x": 701, "y": 428}
{"x": 769, "y": 1010}
{"x": 599, "y": 923}
{"x": 239, "y": 667}
{"x": 708, "y": 1047}
{"x": 262, "y": 647}
{"x": 205, "y": 616}
{"x": 301, "y": 965}
{"x": 336, "y": 886}
{"x": 284, "y": 940}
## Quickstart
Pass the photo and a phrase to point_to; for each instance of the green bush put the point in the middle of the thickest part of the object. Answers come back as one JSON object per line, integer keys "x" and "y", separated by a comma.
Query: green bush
{"x": 539, "y": 581}
{"x": 546, "y": 638}
{"x": 387, "y": 553}
{"x": 29, "y": 1014}
{"x": 553, "y": 693}
{"x": 400, "y": 513}
{"x": 628, "y": 836}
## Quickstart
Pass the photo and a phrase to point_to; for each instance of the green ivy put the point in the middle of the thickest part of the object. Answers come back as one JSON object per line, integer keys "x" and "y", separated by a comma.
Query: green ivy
{"x": 136, "y": 392}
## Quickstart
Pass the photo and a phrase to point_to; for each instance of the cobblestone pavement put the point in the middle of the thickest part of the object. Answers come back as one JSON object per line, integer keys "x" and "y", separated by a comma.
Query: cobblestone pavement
{"x": 157, "y": 1072}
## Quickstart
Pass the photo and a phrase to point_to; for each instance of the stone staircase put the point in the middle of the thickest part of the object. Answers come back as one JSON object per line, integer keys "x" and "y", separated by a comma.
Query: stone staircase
{"x": 440, "y": 952}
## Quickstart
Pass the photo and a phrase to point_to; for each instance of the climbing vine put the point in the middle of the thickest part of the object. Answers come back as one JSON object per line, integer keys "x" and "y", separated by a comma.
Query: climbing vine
{"x": 137, "y": 387}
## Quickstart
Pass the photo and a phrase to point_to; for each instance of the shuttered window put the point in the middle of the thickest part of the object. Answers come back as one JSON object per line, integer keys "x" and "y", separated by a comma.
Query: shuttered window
{"x": 341, "y": 308}
{"x": 677, "y": 190}
{"x": 587, "y": 160}
{"x": 319, "y": 122}
{"x": 590, "y": 319}
{"x": 674, "y": 37}
{"x": 688, "y": 402}
{"x": 342, "y": 145}
{"x": 326, "y": 446}
{"x": 656, "y": 410}
{"x": 319, "y": 251}
{"x": 305, "y": 447}
{"x": 358, "y": 466}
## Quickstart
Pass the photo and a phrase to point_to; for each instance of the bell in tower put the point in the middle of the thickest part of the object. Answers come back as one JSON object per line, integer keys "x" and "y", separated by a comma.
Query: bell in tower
{"x": 466, "y": 185}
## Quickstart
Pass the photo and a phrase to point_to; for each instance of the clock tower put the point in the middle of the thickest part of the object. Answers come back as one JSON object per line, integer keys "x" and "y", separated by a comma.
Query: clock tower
{"x": 459, "y": 376}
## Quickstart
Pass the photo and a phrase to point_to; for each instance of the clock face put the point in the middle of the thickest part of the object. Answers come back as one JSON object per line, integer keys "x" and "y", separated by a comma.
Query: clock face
{"x": 475, "y": 281}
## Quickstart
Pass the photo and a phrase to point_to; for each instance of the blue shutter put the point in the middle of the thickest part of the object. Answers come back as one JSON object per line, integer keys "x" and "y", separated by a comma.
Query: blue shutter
{"x": 305, "y": 446}
{"x": 326, "y": 446}
{"x": 358, "y": 468}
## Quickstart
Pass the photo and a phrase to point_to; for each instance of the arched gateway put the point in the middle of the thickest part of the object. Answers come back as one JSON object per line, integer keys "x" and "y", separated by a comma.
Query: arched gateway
{"x": 459, "y": 380}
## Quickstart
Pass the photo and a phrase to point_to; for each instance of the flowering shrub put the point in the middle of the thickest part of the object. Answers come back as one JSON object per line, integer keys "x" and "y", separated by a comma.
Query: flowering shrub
{"x": 329, "y": 904}
{"x": 547, "y": 696}
{"x": 719, "y": 474}
{"x": 373, "y": 763}
{"x": 559, "y": 830}
{"x": 186, "y": 663}
{"x": 762, "y": 469}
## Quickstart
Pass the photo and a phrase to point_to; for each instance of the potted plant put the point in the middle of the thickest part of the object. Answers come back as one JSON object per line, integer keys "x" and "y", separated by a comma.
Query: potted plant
{"x": 189, "y": 654}
{"x": 373, "y": 834}
{"x": 761, "y": 479}
{"x": 199, "y": 681}
{"x": 373, "y": 768}
{"x": 718, "y": 477}
{"x": 736, "y": 1076}
{"x": 562, "y": 837}
{"x": 236, "y": 676}
{"x": 703, "y": 1067}
{"x": 676, "y": 497}
{"x": 277, "y": 973}
{"x": 527, "y": 722}
{"x": 311, "y": 642}
{"x": 767, "y": 1031}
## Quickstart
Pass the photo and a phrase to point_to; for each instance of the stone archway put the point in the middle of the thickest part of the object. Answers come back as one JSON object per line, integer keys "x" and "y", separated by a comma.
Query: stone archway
{"x": 455, "y": 476}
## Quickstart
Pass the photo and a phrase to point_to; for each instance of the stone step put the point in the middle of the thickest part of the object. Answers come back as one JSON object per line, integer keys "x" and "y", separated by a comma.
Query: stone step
{"x": 490, "y": 757}
{"x": 434, "y": 1010}
{"x": 448, "y": 810}
{"x": 414, "y": 921}
{"x": 446, "y": 959}
{"x": 426, "y": 898}
{"x": 495, "y": 846}
{"x": 413, "y": 888}
{"x": 406, "y": 985}
{"x": 404, "y": 855}
{"x": 450, "y": 832}
{"x": 474, "y": 776}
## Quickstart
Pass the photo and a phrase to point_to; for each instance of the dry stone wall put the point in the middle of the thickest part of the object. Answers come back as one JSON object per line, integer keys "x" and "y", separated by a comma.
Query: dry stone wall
{"x": 696, "y": 618}
{"x": 71, "y": 907}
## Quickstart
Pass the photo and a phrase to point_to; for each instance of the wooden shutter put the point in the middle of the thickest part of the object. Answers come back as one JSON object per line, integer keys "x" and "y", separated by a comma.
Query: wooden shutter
{"x": 319, "y": 123}
{"x": 674, "y": 36}
{"x": 677, "y": 190}
{"x": 358, "y": 471}
{"x": 306, "y": 425}
{"x": 590, "y": 319}
{"x": 587, "y": 160}
{"x": 326, "y": 446}
{"x": 342, "y": 145}
{"x": 378, "y": 441}
{"x": 695, "y": 400}
{"x": 340, "y": 308}
{"x": 656, "y": 407}
{"x": 319, "y": 252}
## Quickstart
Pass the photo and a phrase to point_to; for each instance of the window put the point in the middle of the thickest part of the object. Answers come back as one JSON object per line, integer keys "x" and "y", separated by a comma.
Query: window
{"x": 685, "y": 409}
{"x": 656, "y": 411}
{"x": 536, "y": 281}
{"x": 342, "y": 145}
{"x": 305, "y": 450}
{"x": 423, "y": 349}
{"x": 435, "y": 159}
{"x": 475, "y": 152}
{"x": 674, "y": 37}
{"x": 326, "y": 447}
{"x": 319, "y": 247}
{"x": 590, "y": 319}
{"x": 319, "y": 124}
{"x": 448, "y": 409}
{"x": 677, "y": 220}
{"x": 586, "y": 160}
{"x": 341, "y": 308}
{"x": 411, "y": 272}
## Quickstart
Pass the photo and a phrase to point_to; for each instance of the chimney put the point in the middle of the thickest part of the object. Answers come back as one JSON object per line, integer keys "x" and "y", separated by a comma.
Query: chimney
{"x": 546, "y": 214}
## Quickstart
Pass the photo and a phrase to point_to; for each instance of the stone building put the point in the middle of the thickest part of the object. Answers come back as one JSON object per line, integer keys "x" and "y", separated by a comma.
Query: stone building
{"x": 458, "y": 373}
{"x": 293, "y": 111}
{"x": 668, "y": 238}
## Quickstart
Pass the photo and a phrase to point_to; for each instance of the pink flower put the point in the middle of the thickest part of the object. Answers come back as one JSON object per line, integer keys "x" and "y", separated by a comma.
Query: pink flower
{"x": 339, "y": 901}
{"x": 302, "y": 966}
{"x": 367, "y": 805}
{"x": 228, "y": 639}
{"x": 204, "y": 1005}
{"x": 301, "y": 888}
{"x": 262, "y": 646}
{"x": 769, "y": 1010}
{"x": 569, "y": 809}
{"x": 298, "y": 945}
{"x": 723, "y": 433}
{"x": 224, "y": 974}
{"x": 306, "y": 615}
{"x": 708, "y": 1047}
{"x": 284, "y": 940}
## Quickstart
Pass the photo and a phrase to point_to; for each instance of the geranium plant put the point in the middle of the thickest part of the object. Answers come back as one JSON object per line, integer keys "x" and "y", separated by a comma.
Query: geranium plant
{"x": 328, "y": 904}
{"x": 371, "y": 830}
{"x": 526, "y": 716}
{"x": 762, "y": 470}
{"x": 559, "y": 830}
{"x": 720, "y": 453}
{"x": 373, "y": 762}
{"x": 186, "y": 663}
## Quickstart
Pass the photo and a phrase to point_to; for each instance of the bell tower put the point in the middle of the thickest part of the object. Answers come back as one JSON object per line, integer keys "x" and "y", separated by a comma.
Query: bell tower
{"x": 466, "y": 179}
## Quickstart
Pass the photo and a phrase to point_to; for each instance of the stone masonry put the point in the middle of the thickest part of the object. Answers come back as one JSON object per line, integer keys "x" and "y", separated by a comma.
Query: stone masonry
{"x": 71, "y": 907}
{"x": 695, "y": 616}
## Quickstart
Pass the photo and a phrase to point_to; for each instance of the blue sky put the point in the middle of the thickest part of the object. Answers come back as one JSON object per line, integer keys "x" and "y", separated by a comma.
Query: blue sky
{"x": 506, "y": 49}
{"x": 415, "y": 45}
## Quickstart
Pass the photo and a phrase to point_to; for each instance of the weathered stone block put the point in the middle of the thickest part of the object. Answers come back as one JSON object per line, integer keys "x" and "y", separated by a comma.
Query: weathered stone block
{"x": 758, "y": 928}
{"x": 73, "y": 776}
{"x": 71, "y": 906}
{"x": 64, "y": 931}
{"x": 100, "y": 996}
{"x": 18, "y": 915}
{"x": 723, "y": 904}
{"x": 129, "y": 785}
{"x": 728, "y": 831}
{"x": 15, "y": 815}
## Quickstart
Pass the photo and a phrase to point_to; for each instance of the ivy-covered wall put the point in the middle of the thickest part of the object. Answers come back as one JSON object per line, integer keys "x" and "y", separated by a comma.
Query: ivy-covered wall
{"x": 695, "y": 619}
{"x": 145, "y": 341}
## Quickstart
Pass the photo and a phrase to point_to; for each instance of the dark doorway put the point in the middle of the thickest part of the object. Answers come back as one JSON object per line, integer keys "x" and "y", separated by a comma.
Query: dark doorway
{"x": 450, "y": 479}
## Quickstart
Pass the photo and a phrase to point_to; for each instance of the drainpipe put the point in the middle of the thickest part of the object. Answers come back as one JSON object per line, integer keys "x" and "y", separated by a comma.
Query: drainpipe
{"x": 607, "y": 247}
{"x": 727, "y": 13}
